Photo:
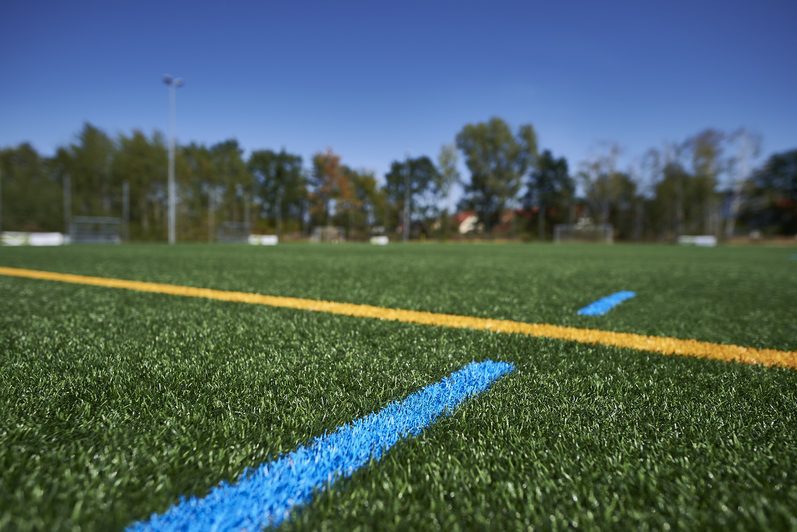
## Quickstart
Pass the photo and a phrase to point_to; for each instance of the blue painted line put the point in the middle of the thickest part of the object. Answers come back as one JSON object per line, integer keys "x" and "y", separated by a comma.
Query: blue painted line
{"x": 266, "y": 495}
{"x": 605, "y": 304}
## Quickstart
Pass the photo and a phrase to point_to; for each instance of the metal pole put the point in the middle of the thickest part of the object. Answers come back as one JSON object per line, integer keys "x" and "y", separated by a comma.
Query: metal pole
{"x": 126, "y": 208}
{"x": 247, "y": 218}
{"x": 407, "y": 197}
{"x": 211, "y": 218}
{"x": 172, "y": 83}
{"x": 67, "y": 205}
{"x": 172, "y": 119}
{"x": 278, "y": 209}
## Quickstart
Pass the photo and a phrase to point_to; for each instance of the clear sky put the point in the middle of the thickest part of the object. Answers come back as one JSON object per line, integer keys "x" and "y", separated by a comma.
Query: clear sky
{"x": 377, "y": 80}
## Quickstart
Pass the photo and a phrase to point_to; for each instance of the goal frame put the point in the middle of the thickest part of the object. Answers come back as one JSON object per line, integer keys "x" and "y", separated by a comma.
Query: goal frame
{"x": 600, "y": 233}
{"x": 95, "y": 230}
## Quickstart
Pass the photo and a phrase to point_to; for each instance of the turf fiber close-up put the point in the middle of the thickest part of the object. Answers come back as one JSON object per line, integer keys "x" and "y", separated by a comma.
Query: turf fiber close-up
{"x": 117, "y": 404}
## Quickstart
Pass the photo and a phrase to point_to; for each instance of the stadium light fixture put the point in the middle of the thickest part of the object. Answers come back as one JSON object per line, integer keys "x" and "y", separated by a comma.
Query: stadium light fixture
{"x": 173, "y": 83}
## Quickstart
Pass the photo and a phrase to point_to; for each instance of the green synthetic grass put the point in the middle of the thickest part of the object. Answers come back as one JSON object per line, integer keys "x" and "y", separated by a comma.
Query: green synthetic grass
{"x": 741, "y": 295}
{"x": 113, "y": 403}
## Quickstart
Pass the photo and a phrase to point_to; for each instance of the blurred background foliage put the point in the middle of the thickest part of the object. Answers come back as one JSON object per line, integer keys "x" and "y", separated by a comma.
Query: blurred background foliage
{"x": 710, "y": 183}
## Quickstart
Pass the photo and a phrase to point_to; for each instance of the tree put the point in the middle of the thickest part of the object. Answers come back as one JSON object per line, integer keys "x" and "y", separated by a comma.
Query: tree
{"x": 326, "y": 180}
{"x": 369, "y": 204}
{"x": 281, "y": 187}
{"x": 772, "y": 196}
{"x": 89, "y": 167}
{"x": 31, "y": 199}
{"x": 706, "y": 152}
{"x": 611, "y": 194}
{"x": 233, "y": 178}
{"x": 411, "y": 185}
{"x": 346, "y": 202}
{"x": 596, "y": 176}
{"x": 550, "y": 187}
{"x": 646, "y": 175}
{"x": 199, "y": 185}
{"x": 747, "y": 147}
{"x": 141, "y": 162}
{"x": 59, "y": 169}
{"x": 449, "y": 176}
{"x": 670, "y": 194}
{"x": 497, "y": 160}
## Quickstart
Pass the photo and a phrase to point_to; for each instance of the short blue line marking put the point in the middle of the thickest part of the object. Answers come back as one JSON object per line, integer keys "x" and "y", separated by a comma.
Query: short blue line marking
{"x": 266, "y": 495}
{"x": 605, "y": 304}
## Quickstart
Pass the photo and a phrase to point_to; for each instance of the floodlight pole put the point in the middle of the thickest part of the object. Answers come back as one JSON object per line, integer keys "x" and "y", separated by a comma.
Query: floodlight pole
{"x": 173, "y": 83}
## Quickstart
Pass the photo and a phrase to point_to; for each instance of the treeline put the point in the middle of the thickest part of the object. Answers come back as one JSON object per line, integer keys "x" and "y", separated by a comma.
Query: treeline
{"x": 704, "y": 185}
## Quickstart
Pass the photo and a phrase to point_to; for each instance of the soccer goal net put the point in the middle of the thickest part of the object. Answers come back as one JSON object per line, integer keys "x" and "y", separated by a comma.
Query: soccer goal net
{"x": 583, "y": 232}
{"x": 233, "y": 232}
{"x": 328, "y": 233}
{"x": 95, "y": 230}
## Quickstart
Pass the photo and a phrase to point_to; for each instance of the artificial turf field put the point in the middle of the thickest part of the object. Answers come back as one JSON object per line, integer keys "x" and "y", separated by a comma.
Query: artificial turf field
{"x": 114, "y": 403}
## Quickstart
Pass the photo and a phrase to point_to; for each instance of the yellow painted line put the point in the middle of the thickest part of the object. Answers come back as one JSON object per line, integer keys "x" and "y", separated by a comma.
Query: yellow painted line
{"x": 655, "y": 344}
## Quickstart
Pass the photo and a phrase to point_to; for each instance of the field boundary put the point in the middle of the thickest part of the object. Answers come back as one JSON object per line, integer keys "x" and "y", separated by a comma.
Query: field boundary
{"x": 656, "y": 344}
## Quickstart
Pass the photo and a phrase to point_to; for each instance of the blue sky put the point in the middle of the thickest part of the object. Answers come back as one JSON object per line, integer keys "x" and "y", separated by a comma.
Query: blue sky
{"x": 377, "y": 80}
